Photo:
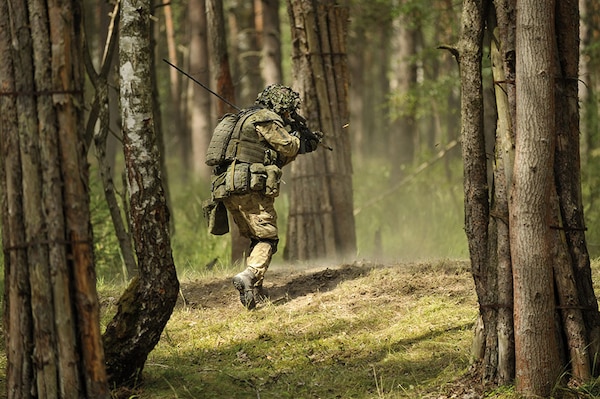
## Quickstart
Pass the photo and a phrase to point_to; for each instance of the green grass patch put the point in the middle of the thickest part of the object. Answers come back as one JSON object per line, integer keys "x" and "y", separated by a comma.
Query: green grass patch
{"x": 390, "y": 332}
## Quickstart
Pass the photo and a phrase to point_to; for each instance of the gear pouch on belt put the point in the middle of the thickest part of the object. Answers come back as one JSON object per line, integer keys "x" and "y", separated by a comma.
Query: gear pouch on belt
{"x": 237, "y": 180}
{"x": 216, "y": 216}
{"x": 218, "y": 186}
{"x": 273, "y": 180}
{"x": 258, "y": 176}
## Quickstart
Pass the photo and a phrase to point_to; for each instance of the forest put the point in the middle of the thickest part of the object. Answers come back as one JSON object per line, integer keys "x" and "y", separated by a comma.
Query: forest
{"x": 425, "y": 250}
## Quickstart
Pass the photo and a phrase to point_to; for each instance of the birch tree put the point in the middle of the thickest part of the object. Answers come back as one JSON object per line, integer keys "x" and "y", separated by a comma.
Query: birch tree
{"x": 147, "y": 304}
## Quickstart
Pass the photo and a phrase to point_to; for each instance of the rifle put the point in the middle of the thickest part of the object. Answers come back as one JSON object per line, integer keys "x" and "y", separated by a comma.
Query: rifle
{"x": 298, "y": 124}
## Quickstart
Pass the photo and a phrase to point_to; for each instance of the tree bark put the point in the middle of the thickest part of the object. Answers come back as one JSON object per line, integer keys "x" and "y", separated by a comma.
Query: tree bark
{"x": 536, "y": 346}
{"x": 18, "y": 322}
{"x": 148, "y": 301}
{"x": 100, "y": 112}
{"x": 469, "y": 55}
{"x": 270, "y": 64}
{"x": 323, "y": 227}
{"x": 56, "y": 324}
{"x": 199, "y": 100}
{"x": 542, "y": 270}
{"x": 246, "y": 51}
{"x": 402, "y": 140}
{"x": 504, "y": 157}
{"x": 567, "y": 171}
{"x": 224, "y": 87}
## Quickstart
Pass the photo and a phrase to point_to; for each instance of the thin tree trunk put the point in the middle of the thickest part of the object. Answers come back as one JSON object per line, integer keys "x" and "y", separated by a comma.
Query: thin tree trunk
{"x": 176, "y": 124}
{"x": 469, "y": 55}
{"x": 401, "y": 141}
{"x": 148, "y": 302}
{"x": 101, "y": 112}
{"x": 199, "y": 100}
{"x": 224, "y": 87}
{"x": 18, "y": 322}
{"x": 270, "y": 66}
{"x": 246, "y": 51}
{"x": 504, "y": 156}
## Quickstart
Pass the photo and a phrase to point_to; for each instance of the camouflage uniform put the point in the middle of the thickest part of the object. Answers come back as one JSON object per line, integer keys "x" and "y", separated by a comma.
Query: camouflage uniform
{"x": 248, "y": 182}
{"x": 254, "y": 212}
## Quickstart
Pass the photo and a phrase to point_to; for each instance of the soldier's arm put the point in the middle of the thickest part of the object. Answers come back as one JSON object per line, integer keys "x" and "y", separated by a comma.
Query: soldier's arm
{"x": 285, "y": 144}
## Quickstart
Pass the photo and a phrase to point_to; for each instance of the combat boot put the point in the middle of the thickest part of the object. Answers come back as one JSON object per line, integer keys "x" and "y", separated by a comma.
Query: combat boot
{"x": 244, "y": 283}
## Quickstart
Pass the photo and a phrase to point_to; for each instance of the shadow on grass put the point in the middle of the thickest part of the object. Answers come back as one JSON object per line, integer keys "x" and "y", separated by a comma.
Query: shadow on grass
{"x": 281, "y": 289}
{"x": 312, "y": 369}
{"x": 316, "y": 282}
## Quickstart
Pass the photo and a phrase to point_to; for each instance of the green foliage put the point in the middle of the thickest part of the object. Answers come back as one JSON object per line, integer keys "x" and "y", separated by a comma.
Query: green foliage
{"x": 107, "y": 255}
{"x": 193, "y": 247}
{"x": 589, "y": 175}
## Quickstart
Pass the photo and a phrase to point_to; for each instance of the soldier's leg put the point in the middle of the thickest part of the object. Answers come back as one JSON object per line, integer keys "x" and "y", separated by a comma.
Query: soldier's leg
{"x": 255, "y": 215}
{"x": 262, "y": 222}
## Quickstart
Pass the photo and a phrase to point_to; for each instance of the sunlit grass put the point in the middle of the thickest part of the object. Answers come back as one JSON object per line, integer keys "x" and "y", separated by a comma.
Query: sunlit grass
{"x": 391, "y": 332}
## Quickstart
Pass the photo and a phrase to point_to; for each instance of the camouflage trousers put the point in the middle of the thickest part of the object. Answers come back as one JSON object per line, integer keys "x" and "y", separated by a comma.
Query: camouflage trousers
{"x": 254, "y": 214}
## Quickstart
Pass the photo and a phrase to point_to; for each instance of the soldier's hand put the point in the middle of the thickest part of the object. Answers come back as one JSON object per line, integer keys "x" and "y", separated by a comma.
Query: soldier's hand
{"x": 310, "y": 144}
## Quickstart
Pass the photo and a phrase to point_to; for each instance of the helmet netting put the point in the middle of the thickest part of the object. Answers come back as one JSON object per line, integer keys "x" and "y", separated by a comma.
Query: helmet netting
{"x": 279, "y": 98}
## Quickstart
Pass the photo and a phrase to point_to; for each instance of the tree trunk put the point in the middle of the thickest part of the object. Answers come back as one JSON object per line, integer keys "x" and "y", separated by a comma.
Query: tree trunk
{"x": 321, "y": 221}
{"x": 52, "y": 314}
{"x": 18, "y": 321}
{"x": 536, "y": 346}
{"x": 568, "y": 180}
{"x": 401, "y": 141}
{"x": 246, "y": 51}
{"x": 100, "y": 112}
{"x": 176, "y": 115}
{"x": 477, "y": 213}
{"x": 224, "y": 87}
{"x": 356, "y": 65}
{"x": 555, "y": 309}
{"x": 199, "y": 100}
{"x": 148, "y": 302}
{"x": 502, "y": 175}
{"x": 270, "y": 63}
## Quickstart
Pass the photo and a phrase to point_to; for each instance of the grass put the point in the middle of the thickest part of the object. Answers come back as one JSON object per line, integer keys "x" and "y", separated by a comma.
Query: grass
{"x": 366, "y": 330}
{"x": 399, "y": 331}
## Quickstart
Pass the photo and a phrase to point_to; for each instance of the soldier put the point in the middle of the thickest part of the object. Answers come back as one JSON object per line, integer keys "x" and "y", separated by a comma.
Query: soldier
{"x": 247, "y": 181}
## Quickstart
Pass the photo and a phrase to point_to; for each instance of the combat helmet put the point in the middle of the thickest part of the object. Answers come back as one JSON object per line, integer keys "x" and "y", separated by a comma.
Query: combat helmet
{"x": 279, "y": 98}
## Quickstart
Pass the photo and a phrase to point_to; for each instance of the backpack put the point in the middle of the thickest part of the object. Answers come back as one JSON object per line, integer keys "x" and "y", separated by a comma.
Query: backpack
{"x": 217, "y": 148}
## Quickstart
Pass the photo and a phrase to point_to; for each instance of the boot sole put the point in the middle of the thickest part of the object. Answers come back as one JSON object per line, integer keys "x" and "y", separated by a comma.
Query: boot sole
{"x": 246, "y": 295}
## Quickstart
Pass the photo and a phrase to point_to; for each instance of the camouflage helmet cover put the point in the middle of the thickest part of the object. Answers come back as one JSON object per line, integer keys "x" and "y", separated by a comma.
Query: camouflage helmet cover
{"x": 279, "y": 98}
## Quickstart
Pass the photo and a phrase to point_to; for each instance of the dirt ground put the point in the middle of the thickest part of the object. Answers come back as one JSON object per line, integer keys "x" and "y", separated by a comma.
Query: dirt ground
{"x": 282, "y": 284}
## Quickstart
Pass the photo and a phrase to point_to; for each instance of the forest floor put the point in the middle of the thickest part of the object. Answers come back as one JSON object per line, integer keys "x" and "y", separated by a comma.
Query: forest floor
{"x": 360, "y": 330}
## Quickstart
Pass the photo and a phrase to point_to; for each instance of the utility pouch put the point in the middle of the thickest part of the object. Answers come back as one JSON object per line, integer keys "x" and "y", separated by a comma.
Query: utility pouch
{"x": 258, "y": 176}
{"x": 273, "y": 180}
{"x": 215, "y": 214}
{"x": 237, "y": 178}
{"x": 219, "y": 190}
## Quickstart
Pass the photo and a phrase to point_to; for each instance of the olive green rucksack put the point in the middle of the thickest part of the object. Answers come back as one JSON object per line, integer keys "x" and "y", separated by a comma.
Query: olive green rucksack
{"x": 217, "y": 148}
